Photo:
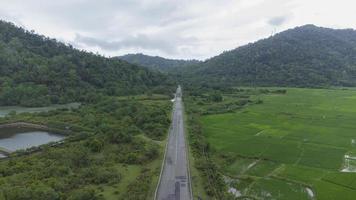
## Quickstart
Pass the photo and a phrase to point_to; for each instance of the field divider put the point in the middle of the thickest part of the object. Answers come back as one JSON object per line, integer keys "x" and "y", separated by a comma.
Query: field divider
{"x": 187, "y": 154}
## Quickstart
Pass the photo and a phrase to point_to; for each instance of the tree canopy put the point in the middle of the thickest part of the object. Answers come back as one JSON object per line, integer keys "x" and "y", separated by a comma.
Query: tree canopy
{"x": 36, "y": 70}
{"x": 306, "y": 56}
{"x": 156, "y": 62}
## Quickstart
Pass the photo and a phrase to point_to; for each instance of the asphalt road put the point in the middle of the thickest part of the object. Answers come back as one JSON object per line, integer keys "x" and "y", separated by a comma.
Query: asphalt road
{"x": 174, "y": 181}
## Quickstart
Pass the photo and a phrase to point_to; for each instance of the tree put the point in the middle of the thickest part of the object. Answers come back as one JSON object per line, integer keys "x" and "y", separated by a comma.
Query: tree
{"x": 119, "y": 136}
{"x": 216, "y": 97}
{"x": 83, "y": 194}
{"x": 38, "y": 71}
{"x": 94, "y": 145}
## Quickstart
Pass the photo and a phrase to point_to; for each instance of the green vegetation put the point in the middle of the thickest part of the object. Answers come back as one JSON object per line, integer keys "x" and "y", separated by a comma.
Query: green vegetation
{"x": 113, "y": 151}
{"x": 196, "y": 179}
{"x": 283, "y": 143}
{"x": 307, "y": 56}
{"x": 245, "y": 143}
{"x": 115, "y": 131}
{"x": 5, "y": 110}
{"x": 38, "y": 71}
{"x": 157, "y": 63}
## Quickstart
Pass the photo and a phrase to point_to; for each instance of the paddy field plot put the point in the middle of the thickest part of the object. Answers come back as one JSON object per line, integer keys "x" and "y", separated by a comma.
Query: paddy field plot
{"x": 298, "y": 145}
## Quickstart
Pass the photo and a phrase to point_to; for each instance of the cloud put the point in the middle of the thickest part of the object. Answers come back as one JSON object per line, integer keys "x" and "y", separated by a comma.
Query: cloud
{"x": 139, "y": 41}
{"x": 171, "y": 28}
{"x": 279, "y": 20}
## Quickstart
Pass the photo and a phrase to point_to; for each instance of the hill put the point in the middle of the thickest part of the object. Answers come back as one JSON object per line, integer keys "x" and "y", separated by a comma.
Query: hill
{"x": 306, "y": 56}
{"x": 156, "y": 62}
{"x": 36, "y": 71}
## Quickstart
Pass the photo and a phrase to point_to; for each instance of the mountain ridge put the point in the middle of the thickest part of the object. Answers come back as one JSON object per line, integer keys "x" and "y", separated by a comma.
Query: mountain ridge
{"x": 36, "y": 70}
{"x": 156, "y": 62}
{"x": 303, "y": 56}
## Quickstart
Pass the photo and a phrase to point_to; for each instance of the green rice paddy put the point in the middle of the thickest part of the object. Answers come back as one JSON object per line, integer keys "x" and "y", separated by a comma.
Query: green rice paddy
{"x": 292, "y": 146}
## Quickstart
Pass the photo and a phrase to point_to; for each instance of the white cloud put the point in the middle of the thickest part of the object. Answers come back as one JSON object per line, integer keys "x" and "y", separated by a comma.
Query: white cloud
{"x": 171, "y": 28}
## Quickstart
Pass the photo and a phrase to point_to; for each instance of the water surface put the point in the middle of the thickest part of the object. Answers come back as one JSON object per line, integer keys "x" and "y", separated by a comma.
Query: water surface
{"x": 13, "y": 139}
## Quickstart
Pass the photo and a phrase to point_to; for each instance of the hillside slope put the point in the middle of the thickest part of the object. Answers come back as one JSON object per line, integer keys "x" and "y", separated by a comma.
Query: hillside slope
{"x": 303, "y": 56}
{"x": 156, "y": 62}
{"x": 36, "y": 70}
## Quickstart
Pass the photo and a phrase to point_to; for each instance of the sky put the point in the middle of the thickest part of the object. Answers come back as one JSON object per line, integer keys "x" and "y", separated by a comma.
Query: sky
{"x": 184, "y": 29}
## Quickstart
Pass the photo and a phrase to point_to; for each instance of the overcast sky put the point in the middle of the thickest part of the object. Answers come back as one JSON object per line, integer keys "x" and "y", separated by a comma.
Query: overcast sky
{"x": 171, "y": 28}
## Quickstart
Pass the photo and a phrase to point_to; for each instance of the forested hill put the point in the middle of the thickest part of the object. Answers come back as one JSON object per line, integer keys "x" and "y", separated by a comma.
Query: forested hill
{"x": 156, "y": 62}
{"x": 303, "y": 56}
{"x": 36, "y": 70}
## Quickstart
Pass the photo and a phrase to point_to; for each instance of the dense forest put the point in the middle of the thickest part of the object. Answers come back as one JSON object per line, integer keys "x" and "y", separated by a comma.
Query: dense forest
{"x": 37, "y": 71}
{"x": 303, "y": 56}
{"x": 306, "y": 56}
{"x": 113, "y": 143}
{"x": 105, "y": 140}
{"x": 157, "y": 63}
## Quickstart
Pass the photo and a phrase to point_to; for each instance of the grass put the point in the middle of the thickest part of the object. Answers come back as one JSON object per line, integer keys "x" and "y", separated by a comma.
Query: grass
{"x": 296, "y": 139}
{"x": 195, "y": 176}
{"x": 269, "y": 188}
{"x": 130, "y": 172}
{"x": 4, "y": 110}
{"x": 130, "y": 175}
{"x": 145, "y": 97}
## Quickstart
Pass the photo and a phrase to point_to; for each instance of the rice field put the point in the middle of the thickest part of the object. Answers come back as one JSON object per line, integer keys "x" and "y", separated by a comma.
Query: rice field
{"x": 298, "y": 145}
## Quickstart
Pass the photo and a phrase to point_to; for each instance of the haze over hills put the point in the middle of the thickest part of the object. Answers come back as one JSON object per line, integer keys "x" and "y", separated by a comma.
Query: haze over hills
{"x": 44, "y": 71}
{"x": 36, "y": 71}
{"x": 156, "y": 62}
{"x": 303, "y": 56}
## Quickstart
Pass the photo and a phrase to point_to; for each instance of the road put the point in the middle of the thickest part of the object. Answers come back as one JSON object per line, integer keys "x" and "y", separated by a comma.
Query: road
{"x": 174, "y": 181}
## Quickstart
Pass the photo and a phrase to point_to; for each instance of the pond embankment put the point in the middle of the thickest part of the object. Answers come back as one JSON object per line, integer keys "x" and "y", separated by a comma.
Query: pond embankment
{"x": 39, "y": 127}
{"x": 27, "y": 136}
{"x": 4, "y": 152}
{"x": 24, "y": 125}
